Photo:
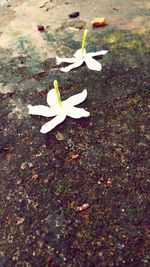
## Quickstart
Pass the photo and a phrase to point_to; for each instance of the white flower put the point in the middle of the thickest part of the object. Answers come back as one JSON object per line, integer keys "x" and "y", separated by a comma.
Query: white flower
{"x": 59, "y": 109}
{"x": 82, "y": 56}
{"x": 79, "y": 58}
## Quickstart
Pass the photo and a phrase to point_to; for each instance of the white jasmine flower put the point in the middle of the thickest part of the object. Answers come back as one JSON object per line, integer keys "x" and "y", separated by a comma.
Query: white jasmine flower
{"x": 82, "y": 56}
{"x": 59, "y": 109}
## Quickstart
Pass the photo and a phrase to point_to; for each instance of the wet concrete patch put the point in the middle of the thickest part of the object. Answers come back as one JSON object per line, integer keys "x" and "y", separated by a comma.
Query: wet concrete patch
{"x": 101, "y": 161}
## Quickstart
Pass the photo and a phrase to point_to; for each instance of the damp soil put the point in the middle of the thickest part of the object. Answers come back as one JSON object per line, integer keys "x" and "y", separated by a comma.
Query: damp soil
{"x": 79, "y": 195}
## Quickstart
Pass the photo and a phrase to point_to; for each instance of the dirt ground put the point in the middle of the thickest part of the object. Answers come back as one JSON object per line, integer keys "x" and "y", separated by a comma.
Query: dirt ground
{"x": 79, "y": 195}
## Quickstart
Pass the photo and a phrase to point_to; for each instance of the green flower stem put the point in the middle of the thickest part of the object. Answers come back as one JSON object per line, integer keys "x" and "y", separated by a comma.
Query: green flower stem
{"x": 57, "y": 93}
{"x": 84, "y": 40}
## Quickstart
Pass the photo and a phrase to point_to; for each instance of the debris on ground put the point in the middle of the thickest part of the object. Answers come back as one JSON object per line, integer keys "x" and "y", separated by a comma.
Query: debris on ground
{"x": 41, "y": 28}
{"x": 99, "y": 22}
{"x": 78, "y": 24}
{"x": 75, "y": 156}
{"x": 74, "y": 14}
{"x": 83, "y": 207}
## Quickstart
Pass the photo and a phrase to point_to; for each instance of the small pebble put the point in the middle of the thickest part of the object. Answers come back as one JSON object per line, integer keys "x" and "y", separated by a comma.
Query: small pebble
{"x": 60, "y": 136}
{"x": 74, "y": 14}
{"x": 41, "y": 28}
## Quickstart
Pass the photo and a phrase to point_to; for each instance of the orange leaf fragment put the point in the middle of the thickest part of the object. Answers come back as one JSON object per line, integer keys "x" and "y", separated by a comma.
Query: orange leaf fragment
{"x": 75, "y": 156}
{"x": 109, "y": 182}
{"x": 35, "y": 176}
{"x": 99, "y": 22}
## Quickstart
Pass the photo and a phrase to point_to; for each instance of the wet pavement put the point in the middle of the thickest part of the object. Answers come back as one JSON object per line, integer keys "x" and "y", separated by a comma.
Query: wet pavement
{"x": 77, "y": 196}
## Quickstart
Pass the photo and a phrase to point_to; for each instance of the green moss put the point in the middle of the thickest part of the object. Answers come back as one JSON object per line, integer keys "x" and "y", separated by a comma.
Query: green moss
{"x": 69, "y": 211}
{"x": 48, "y": 37}
{"x": 112, "y": 38}
{"x": 72, "y": 44}
{"x": 45, "y": 190}
{"x": 62, "y": 187}
{"x": 122, "y": 39}
{"x": 16, "y": 33}
{"x": 87, "y": 236}
{"x": 131, "y": 44}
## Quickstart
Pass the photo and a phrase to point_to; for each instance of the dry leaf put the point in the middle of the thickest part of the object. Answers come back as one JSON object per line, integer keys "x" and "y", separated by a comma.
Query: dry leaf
{"x": 99, "y": 22}
{"x": 75, "y": 156}
{"x": 35, "y": 176}
{"x": 21, "y": 220}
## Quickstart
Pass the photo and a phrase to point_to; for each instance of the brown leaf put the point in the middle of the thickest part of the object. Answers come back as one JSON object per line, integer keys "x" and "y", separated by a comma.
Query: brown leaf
{"x": 99, "y": 22}
{"x": 75, "y": 156}
{"x": 21, "y": 220}
{"x": 35, "y": 176}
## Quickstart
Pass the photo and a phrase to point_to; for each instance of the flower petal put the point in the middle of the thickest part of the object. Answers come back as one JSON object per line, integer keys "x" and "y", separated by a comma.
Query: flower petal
{"x": 78, "y": 54}
{"x": 92, "y": 64}
{"x": 52, "y": 99}
{"x": 60, "y": 60}
{"x": 42, "y": 111}
{"x": 76, "y": 64}
{"x": 76, "y": 99}
{"x": 47, "y": 127}
{"x": 99, "y": 53}
{"x": 77, "y": 113}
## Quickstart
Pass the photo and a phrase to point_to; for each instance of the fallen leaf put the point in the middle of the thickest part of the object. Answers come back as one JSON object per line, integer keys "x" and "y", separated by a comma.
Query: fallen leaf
{"x": 34, "y": 176}
{"x": 75, "y": 156}
{"x": 99, "y": 22}
{"x": 21, "y": 220}
{"x": 109, "y": 182}
{"x": 142, "y": 128}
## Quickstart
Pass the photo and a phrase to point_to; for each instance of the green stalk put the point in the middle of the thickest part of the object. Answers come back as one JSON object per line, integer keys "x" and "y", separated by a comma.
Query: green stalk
{"x": 57, "y": 93}
{"x": 84, "y": 40}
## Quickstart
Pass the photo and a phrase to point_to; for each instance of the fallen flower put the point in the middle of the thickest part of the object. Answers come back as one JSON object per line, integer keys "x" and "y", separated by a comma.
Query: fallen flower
{"x": 60, "y": 109}
{"x": 82, "y": 56}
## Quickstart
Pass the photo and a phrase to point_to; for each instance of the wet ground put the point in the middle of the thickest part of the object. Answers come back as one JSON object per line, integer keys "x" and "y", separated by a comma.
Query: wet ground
{"x": 77, "y": 196}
